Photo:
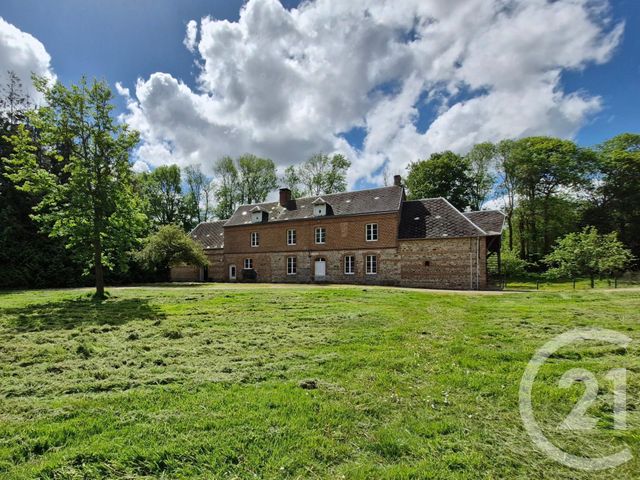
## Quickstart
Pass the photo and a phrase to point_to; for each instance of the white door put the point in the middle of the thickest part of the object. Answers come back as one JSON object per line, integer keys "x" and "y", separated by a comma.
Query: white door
{"x": 320, "y": 268}
{"x": 232, "y": 272}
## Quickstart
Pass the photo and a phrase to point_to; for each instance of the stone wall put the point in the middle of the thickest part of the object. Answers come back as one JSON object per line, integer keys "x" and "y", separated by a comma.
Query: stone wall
{"x": 272, "y": 267}
{"x": 186, "y": 273}
{"x": 216, "y": 265}
{"x": 458, "y": 263}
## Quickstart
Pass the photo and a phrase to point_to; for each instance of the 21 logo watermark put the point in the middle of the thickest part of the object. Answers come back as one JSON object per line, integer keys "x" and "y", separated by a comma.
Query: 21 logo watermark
{"x": 577, "y": 420}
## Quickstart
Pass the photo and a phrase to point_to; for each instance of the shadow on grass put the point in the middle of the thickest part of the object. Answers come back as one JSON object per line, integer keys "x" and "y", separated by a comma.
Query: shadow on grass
{"x": 67, "y": 314}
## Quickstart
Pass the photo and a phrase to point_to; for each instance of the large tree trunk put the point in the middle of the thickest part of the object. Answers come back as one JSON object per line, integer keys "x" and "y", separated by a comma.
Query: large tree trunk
{"x": 97, "y": 260}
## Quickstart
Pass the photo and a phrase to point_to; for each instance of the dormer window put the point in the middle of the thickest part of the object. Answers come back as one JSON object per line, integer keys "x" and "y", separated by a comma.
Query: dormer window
{"x": 319, "y": 207}
{"x": 257, "y": 214}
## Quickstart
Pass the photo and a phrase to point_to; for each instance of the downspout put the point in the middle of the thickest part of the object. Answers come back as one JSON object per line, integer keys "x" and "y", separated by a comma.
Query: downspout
{"x": 478, "y": 263}
{"x": 471, "y": 263}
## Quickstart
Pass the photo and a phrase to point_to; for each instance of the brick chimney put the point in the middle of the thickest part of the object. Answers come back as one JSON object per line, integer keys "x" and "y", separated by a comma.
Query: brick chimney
{"x": 397, "y": 180}
{"x": 285, "y": 197}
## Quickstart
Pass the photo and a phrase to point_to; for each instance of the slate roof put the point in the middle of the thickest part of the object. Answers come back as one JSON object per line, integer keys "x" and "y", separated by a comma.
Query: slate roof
{"x": 491, "y": 221}
{"x": 376, "y": 200}
{"x": 209, "y": 234}
{"x": 435, "y": 218}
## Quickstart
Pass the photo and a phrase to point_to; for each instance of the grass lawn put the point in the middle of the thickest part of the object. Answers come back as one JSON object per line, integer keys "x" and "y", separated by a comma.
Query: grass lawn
{"x": 207, "y": 381}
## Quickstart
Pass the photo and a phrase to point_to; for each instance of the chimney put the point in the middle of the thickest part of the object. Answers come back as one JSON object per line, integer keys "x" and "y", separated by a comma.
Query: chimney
{"x": 397, "y": 180}
{"x": 285, "y": 197}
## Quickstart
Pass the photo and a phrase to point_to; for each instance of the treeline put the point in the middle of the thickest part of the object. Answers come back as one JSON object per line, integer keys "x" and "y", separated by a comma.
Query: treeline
{"x": 547, "y": 187}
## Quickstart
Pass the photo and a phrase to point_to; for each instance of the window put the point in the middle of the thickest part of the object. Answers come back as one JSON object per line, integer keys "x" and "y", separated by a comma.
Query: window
{"x": 255, "y": 239}
{"x": 291, "y": 236}
{"x": 372, "y": 232}
{"x": 372, "y": 265}
{"x": 321, "y": 234}
{"x": 291, "y": 266}
{"x": 248, "y": 263}
{"x": 349, "y": 265}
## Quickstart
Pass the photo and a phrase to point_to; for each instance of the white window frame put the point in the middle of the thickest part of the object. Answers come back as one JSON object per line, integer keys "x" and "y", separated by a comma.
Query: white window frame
{"x": 255, "y": 239}
{"x": 371, "y": 265}
{"x": 351, "y": 263}
{"x": 291, "y": 236}
{"x": 370, "y": 229}
{"x": 292, "y": 265}
{"x": 322, "y": 233}
{"x": 248, "y": 263}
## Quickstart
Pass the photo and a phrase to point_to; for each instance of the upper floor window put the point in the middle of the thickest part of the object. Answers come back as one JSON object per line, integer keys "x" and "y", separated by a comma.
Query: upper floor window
{"x": 321, "y": 235}
{"x": 248, "y": 263}
{"x": 255, "y": 239}
{"x": 291, "y": 266}
{"x": 291, "y": 236}
{"x": 372, "y": 265}
{"x": 349, "y": 265}
{"x": 372, "y": 232}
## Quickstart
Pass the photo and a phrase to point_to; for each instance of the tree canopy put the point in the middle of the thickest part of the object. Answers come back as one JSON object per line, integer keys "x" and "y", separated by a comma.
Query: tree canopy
{"x": 445, "y": 174}
{"x": 588, "y": 253}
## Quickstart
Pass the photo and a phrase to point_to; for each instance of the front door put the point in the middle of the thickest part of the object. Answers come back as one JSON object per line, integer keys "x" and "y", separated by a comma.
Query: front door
{"x": 321, "y": 268}
{"x": 232, "y": 272}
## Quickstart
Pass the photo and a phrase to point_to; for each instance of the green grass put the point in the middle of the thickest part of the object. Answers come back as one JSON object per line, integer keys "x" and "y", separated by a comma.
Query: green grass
{"x": 205, "y": 382}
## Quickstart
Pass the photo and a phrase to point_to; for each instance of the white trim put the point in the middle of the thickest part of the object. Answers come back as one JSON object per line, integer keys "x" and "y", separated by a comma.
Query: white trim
{"x": 324, "y": 235}
{"x": 257, "y": 238}
{"x": 295, "y": 236}
{"x": 295, "y": 265}
{"x": 352, "y": 265}
{"x": 366, "y": 264}
{"x": 366, "y": 232}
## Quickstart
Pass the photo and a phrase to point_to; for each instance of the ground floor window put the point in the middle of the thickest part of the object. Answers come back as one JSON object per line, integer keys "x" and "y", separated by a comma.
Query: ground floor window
{"x": 291, "y": 266}
{"x": 372, "y": 265}
{"x": 248, "y": 263}
{"x": 349, "y": 265}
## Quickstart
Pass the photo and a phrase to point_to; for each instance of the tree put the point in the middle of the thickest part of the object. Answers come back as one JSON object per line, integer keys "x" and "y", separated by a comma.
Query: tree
{"x": 543, "y": 169}
{"x": 168, "y": 247}
{"x": 512, "y": 265}
{"x": 249, "y": 179}
{"x": 481, "y": 159}
{"x": 588, "y": 253}
{"x": 225, "y": 187}
{"x": 200, "y": 191}
{"x": 507, "y": 182}
{"x": 319, "y": 175}
{"x": 445, "y": 175}
{"x": 163, "y": 192}
{"x": 257, "y": 177}
{"x": 615, "y": 204}
{"x": 90, "y": 203}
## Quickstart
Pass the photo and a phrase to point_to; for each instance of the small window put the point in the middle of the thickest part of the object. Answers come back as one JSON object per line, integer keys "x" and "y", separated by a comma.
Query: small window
{"x": 349, "y": 265}
{"x": 321, "y": 234}
{"x": 248, "y": 263}
{"x": 291, "y": 236}
{"x": 372, "y": 265}
{"x": 255, "y": 239}
{"x": 291, "y": 266}
{"x": 372, "y": 232}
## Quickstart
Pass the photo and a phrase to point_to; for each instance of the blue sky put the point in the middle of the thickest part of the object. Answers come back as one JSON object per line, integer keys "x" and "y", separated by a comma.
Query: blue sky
{"x": 123, "y": 40}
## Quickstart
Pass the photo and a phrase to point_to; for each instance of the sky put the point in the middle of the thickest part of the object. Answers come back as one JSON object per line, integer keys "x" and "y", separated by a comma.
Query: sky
{"x": 383, "y": 82}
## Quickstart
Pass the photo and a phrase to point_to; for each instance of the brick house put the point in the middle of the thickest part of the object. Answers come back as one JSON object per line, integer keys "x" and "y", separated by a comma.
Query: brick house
{"x": 371, "y": 236}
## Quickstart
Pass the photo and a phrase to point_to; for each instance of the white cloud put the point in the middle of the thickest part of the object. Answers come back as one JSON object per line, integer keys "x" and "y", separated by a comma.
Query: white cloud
{"x": 288, "y": 83}
{"x": 190, "y": 39}
{"x": 23, "y": 54}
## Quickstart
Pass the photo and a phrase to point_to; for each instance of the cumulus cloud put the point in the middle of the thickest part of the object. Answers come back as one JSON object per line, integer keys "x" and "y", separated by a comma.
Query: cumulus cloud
{"x": 415, "y": 76}
{"x": 190, "y": 39}
{"x": 23, "y": 54}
